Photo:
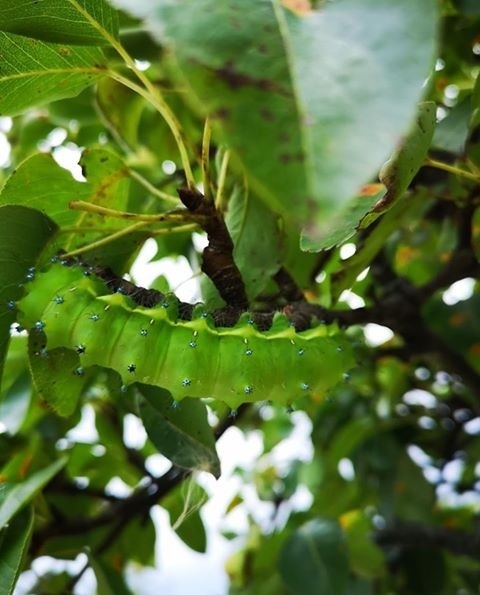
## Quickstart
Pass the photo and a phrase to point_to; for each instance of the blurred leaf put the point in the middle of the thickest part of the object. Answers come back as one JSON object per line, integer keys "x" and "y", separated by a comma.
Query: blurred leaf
{"x": 451, "y": 132}
{"x": 276, "y": 429}
{"x": 26, "y": 133}
{"x": 14, "y": 541}
{"x": 37, "y": 72}
{"x": 348, "y": 437}
{"x": 16, "y": 361}
{"x": 403, "y": 209}
{"x": 476, "y": 233}
{"x": 358, "y": 586}
{"x": 109, "y": 582}
{"x": 180, "y": 431}
{"x": 314, "y": 561}
{"x": 14, "y": 496}
{"x": 52, "y": 583}
{"x": 413, "y": 495}
{"x": 23, "y": 235}
{"x": 423, "y": 249}
{"x": 304, "y": 135}
{"x": 425, "y": 571}
{"x": 76, "y": 111}
{"x": 468, "y": 7}
{"x": 121, "y": 109}
{"x": 140, "y": 532}
{"x": 183, "y": 506}
{"x": 458, "y": 325}
{"x": 14, "y": 404}
{"x": 366, "y": 558}
{"x": 82, "y": 22}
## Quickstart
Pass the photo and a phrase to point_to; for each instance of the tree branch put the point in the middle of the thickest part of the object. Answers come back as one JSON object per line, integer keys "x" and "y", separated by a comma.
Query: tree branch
{"x": 413, "y": 535}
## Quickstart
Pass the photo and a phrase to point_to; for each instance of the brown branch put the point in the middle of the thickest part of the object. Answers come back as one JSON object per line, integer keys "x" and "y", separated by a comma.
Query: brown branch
{"x": 413, "y": 535}
{"x": 218, "y": 262}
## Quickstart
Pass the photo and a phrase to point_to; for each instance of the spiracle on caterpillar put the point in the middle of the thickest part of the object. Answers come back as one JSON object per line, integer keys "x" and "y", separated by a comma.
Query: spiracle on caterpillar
{"x": 180, "y": 347}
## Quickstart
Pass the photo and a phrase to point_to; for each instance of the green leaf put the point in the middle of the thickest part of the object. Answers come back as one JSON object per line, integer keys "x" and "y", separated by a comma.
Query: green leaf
{"x": 366, "y": 558}
{"x": 451, "y": 132}
{"x": 403, "y": 209}
{"x": 109, "y": 582}
{"x": 180, "y": 431}
{"x": 121, "y": 108}
{"x": 82, "y": 22}
{"x": 413, "y": 495}
{"x": 257, "y": 238}
{"x": 24, "y": 233}
{"x": 57, "y": 374}
{"x": 400, "y": 169}
{"x": 52, "y": 583}
{"x": 313, "y": 560}
{"x": 14, "y": 541}
{"x": 468, "y": 7}
{"x": 183, "y": 507}
{"x": 33, "y": 72}
{"x": 141, "y": 532}
{"x": 422, "y": 249}
{"x": 41, "y": 183}
{"x": 14, "y": 496}
{"x": 15, "y": 403}
{"x": 458, "y": 325}
{"x": 296, "y": 107}
{"x": 345, "y": 222}
{"x": 396, "y": 175}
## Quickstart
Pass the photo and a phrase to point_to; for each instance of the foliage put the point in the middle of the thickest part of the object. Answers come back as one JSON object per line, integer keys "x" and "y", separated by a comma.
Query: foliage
{"x": 328, "y": 153}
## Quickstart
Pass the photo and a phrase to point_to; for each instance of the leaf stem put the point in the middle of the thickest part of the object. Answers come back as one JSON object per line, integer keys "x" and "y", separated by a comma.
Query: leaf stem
{"x": 151, "y": 93}
{"x": 222, "y": 176}
{"x": 451, "y": 169}
{"x": 81, "y": 205}
{"x": 107, "y": 239}
{"x": 176, "y": 229}
{"x": 153, "y": 189}
{"x": 207, "y": 133}
{"x": 152, "y": 96}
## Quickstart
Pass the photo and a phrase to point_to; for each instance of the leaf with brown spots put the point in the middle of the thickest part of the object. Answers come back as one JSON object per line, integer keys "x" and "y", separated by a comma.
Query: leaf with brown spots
{"x": 310, "y": 104}
{"x": 33, "y": 72}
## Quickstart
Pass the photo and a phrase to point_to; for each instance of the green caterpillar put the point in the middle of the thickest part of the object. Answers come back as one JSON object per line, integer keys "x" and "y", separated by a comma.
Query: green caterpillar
{"x": 189, "y": 358}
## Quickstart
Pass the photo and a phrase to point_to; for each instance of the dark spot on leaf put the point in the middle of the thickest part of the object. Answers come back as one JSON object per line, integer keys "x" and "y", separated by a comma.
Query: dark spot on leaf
{"x": 222, "y": 113}
{"x": 262, "y": 48}
{"x": 289, "y": 157}
{"x": 267, "y": 114}
{"x": 236, "y": 80}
